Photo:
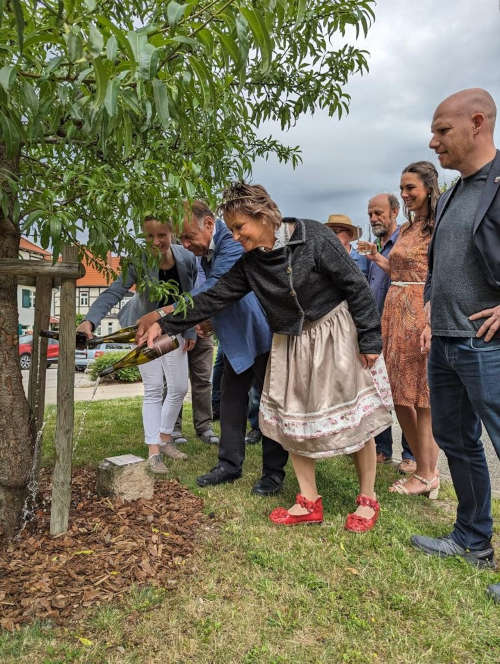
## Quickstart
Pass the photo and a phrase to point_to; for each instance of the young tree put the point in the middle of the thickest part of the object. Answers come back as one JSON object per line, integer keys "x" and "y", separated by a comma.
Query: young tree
{"x": 111, "y": 110}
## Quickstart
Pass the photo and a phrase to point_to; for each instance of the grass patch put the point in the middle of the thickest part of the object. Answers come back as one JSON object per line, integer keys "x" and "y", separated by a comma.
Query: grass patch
{"x": 263, "y": 594}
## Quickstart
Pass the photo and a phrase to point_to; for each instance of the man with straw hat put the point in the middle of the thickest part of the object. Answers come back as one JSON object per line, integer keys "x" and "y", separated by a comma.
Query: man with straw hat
{"x": 347, "y": 232}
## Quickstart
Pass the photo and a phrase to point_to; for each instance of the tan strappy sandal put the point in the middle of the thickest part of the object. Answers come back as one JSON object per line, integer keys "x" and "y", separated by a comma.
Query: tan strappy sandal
{"x": 429, "y": 491}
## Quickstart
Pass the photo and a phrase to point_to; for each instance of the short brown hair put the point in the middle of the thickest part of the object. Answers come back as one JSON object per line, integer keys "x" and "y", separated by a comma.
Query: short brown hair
{"x": 250, "y": 199}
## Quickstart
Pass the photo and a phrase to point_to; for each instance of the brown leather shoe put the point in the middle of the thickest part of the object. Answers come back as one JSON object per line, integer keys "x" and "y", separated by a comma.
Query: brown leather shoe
{"x": 381, "y": 458}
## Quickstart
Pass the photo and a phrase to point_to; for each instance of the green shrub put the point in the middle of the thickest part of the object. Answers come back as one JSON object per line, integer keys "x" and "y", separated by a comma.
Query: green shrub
{"x": 128, "y": 375}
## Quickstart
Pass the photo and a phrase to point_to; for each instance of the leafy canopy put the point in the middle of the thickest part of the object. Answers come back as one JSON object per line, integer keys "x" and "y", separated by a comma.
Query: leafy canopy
{"x": 111, "y": 110}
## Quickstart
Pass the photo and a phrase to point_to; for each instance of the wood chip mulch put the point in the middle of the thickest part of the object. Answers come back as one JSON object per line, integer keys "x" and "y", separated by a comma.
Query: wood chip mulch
{"x": 109, "y": 547}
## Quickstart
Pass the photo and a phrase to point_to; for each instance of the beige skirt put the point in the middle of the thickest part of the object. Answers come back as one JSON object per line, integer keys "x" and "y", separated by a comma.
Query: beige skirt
{"x": 318, "y": 400}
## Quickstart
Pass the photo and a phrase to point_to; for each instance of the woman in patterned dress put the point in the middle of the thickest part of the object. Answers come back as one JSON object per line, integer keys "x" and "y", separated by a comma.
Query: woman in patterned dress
{"x": 403, "y": 321}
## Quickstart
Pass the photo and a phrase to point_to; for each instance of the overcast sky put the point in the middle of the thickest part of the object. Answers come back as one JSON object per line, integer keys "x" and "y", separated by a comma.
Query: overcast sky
{"x": 421, "y": 51}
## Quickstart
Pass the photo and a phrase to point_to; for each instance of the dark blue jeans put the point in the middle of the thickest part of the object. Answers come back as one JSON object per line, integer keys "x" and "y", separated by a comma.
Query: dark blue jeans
{"x": 216, "y": 380}
{"x": 464, "y": 381}
{"x": 383, "y": 443}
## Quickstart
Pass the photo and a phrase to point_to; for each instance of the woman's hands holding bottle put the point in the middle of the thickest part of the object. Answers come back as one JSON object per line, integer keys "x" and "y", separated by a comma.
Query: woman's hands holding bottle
{"x": 145, "y": 323}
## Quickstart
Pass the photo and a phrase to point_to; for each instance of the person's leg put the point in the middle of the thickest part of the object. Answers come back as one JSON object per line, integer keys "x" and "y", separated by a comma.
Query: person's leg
{"x": 274, "y": 457}
{"x": 253, "y": 407}
{"x": 152, "y": 380}
{"x": 407, "y": 453}
{"x": 383, "y": 443}
{"x": 426, "y": 478}
{"x": 457, "y": 429}
{"x": 407, "y": 418}
{"x": 216, "y": 383}
{"x": 200, "y": 374}
{"x": 305, "y": 472}
{"x": 233, "y": 416}
{"x": 365, "y": 462}
{"x": 175, "y": 368}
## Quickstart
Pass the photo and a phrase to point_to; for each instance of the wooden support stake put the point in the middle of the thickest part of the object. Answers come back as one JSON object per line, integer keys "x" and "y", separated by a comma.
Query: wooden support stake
{"x": 61, "y": 479}
{"x": 36, "y": 388}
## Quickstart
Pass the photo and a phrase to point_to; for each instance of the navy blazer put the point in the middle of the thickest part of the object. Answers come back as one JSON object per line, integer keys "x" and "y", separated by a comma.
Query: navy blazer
{"x": 242, "y": 328}
{"x": 485, "y": 231}
{"x": 140, "y": 303}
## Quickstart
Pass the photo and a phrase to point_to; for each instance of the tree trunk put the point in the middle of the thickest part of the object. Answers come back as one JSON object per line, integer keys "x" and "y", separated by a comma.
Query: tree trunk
{"x": 17, "y": 437}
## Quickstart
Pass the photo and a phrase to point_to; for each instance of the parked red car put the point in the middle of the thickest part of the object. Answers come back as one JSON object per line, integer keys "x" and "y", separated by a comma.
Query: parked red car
{"x": 25, "y": 349}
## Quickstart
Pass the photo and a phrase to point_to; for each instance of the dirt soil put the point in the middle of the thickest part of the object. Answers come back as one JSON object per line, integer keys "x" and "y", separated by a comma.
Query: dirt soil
{"x": 109, "y": 547}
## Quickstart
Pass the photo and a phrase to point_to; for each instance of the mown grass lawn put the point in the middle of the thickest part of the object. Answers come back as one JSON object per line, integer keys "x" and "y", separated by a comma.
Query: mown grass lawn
{"x": 263, "y": 594}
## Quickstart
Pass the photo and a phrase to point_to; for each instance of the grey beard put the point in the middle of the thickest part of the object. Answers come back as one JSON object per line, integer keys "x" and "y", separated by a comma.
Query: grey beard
{"x": 379, "y": 232}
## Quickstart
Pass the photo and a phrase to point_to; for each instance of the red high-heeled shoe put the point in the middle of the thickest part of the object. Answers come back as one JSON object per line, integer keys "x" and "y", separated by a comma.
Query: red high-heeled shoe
{"x": 314, "y": 514}
{"x": 360, "y": 524}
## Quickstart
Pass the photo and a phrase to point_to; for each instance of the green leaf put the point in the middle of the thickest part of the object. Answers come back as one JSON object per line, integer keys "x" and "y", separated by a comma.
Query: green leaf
{"x": 143, "y": 52}
{"x": 259, "y": 30}
{"x": 96, "y": 40}
{"x": 175, "y": 12}
{"x": 7, "y": 77}
{"x": 301, "y": 10}
{"x": 111, "y": 48}
{"x": 204, "y": 78}
{"x": 30, "y": 96}
{"x": 75, "y": 47}
{"x": 90, "y": 5}
{"x": 161, "y": 102}
{"x": 101, "y": 69}
{"x": 110, "y": 100}
{"x": 230, "y": 46}
{"x": 18, "y": 12}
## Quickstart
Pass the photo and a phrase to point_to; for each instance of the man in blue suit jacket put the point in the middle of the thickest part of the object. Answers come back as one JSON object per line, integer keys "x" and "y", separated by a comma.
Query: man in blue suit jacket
{"x": 245, "y": 339}
{"x": 463, "y": 293}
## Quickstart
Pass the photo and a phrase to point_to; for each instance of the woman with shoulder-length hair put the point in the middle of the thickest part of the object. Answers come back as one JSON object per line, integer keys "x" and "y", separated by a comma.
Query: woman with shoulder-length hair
{"x": 403, "y": 321}
{"x": 326, "y": 391}
{"x": 173, "y": 263}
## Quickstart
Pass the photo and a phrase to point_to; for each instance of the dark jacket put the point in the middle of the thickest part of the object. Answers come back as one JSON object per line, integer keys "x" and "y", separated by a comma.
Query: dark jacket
{"x": 485, "y": 232}
{"x": 300, "y": 282}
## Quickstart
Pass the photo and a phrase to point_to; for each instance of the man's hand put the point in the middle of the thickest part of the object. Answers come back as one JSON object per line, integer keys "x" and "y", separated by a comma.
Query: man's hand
{"x": 491, "y": 325}
{"x": 204, "y": 329}
{"x": 145, "y": 322}
{"x": 425, "y": 339}
{"x": 85, "y": 327}
{"x": 189, "y": 344}
{"x": 368, "y": 249}
{"x": 427, "y": 311}
{"x": 368, "y": 360}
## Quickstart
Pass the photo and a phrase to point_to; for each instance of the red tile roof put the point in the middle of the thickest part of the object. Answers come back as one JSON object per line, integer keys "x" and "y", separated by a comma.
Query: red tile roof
{"x": 26, "y": 245}
{"x": 94, "y": 277}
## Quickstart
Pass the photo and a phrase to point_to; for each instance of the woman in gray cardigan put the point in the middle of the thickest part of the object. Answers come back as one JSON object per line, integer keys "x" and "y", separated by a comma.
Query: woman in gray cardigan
{"x": 158, "y": 414}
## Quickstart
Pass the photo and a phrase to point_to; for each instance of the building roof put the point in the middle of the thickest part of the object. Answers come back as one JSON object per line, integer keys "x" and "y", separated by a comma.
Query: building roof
{"x": 95, "y": 277}
{"x": 26, "y": 245}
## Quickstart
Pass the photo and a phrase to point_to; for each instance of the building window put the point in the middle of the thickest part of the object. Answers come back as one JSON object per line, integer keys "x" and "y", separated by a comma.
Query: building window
{"x": 84, "y": 298}
{"x": 110, "y": 328}
{"x": 26, "y": 298}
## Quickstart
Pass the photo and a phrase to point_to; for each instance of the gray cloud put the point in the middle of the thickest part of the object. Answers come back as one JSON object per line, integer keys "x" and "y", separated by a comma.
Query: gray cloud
{"x": 421, "y": 52}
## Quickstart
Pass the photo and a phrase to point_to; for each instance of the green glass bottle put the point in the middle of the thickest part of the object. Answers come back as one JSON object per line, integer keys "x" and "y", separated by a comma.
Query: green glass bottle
{"x": 142, "y": 354}
{"x": 124, "y": 336}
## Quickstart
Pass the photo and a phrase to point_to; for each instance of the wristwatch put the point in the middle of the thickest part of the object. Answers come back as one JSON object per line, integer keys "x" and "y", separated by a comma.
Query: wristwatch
{"x": 161, "y": 313}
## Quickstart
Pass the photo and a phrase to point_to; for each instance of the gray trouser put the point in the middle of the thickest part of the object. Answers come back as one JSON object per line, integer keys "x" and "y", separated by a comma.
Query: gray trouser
{"x": 201, "y": 360}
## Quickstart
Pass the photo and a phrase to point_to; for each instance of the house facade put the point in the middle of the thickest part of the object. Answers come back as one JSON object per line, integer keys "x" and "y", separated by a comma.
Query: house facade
{"x": 88, "y": 289}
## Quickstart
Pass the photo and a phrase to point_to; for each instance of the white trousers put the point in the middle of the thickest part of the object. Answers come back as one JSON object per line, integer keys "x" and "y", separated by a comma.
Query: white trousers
{"x": 159, "y": 415}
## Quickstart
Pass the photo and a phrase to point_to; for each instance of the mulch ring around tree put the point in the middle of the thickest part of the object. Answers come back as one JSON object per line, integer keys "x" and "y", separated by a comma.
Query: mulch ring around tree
{"x": 109, "y": 547}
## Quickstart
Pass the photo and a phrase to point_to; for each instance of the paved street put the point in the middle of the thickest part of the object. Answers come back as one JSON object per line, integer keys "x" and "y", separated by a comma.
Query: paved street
{"x": 84, "y": 390}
